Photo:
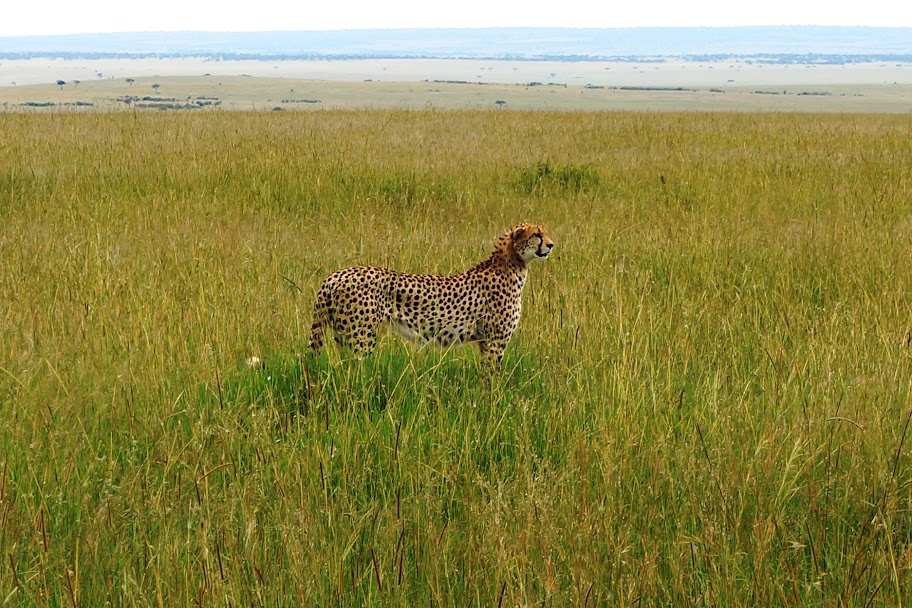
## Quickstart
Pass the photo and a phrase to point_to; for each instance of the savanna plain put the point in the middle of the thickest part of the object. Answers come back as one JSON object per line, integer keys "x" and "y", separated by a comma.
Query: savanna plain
{"x": 707, "y": 401}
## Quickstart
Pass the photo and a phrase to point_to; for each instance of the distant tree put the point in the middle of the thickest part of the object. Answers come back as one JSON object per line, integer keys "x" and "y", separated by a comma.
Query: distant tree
{"x": 500, "y": 103}
{"x": 61, "y": 84}
{"x": 156, "y": 86}
{"x": 130, "y": 81}
{"x": 76, "y": 84}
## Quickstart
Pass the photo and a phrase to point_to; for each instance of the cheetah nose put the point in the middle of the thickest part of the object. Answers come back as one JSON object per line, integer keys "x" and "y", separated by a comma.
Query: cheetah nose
{"x": 549, "y": 246}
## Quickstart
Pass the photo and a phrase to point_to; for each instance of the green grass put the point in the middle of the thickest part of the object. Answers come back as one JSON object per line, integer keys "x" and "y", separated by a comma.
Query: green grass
{"x": 706, "y": 403}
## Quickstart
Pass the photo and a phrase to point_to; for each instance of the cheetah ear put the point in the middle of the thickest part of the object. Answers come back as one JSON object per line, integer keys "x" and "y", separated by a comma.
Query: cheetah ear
{"x": 518, "y": 233}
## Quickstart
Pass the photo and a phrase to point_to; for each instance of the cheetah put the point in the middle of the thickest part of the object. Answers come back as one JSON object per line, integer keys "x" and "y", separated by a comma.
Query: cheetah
{"x": 481, "y": 305}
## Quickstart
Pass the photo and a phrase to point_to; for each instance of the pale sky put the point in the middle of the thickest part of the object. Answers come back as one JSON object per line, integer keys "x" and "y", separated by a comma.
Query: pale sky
{"x": 36, "y": 17}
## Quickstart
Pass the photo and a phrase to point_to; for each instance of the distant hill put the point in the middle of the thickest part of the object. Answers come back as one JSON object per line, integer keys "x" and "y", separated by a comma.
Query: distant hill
{"x": 814, "y": 43}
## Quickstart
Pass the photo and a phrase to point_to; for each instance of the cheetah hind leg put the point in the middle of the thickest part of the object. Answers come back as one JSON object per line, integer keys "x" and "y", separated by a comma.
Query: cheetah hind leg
{"x": 363, "y": 341}
{"x": 492, "y": 352}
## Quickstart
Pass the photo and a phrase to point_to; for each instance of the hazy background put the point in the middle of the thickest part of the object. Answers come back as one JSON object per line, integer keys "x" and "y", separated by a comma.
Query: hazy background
{"x": 93, "y": 16}
{"x": 699, "y": 43}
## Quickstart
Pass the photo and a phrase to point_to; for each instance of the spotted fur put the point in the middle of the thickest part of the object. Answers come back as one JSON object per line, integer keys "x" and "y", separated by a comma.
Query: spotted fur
{"x": 481, "y": 305}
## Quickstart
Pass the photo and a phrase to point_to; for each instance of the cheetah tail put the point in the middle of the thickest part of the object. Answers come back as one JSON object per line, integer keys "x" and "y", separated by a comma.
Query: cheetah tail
{"x": 321, "y": 319}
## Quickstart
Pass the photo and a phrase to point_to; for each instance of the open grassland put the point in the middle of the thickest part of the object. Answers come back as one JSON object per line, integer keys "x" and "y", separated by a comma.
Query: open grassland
{"x": 707, "y": 400}
{"x": 201, "y": 93}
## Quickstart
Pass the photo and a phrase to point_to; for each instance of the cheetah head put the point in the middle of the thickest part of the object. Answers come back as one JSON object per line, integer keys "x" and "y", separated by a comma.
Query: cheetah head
{"x": 530, "y": 241}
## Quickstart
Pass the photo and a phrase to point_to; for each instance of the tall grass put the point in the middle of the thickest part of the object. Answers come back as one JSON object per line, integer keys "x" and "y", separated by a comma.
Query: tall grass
{"x": 707, "y": 400}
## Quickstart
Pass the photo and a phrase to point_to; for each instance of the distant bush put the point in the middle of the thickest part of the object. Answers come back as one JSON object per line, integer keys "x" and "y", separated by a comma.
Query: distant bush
{"x": 169, "y": 103}
{"x": 50, "y": 104}
{"x": 634, "y": 88}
